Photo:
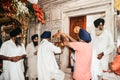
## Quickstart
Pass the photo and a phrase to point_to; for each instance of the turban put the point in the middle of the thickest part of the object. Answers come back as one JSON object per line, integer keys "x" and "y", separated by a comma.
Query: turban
{"x": 15, "y": 32}
{"x": 46, "y": 34}
{"x": 98, "y": 21}
{"x": 34, "y": 36}
{"x": 84, "y": 35}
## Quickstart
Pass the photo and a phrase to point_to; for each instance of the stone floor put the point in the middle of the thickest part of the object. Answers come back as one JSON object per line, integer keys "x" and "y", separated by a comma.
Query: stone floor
{"x": 109, "y": 76}
{"x": 67, "y": 75}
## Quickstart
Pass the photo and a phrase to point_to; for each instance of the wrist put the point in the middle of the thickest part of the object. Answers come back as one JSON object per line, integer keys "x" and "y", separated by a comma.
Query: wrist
{"x": 9, "y": 58}
{"x": 21, "y": 57}
{"x": 103, "y": 53}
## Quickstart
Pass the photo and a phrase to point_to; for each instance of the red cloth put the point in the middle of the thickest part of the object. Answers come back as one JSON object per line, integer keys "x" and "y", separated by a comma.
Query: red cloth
{"x": 115, "y": 66}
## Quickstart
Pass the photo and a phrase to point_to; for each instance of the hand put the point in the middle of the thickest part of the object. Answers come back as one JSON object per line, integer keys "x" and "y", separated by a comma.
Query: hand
{"x": 15, "y": 59}
{"x": 118, "y": 50}
{"x": 100, "y": 55}
{"x": 64, "y": 35}
{"x": 109, "y": 65}
{"x": 35, "y": 53}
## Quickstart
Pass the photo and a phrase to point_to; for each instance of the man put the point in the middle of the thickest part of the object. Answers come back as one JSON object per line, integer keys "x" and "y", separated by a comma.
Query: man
{"x": 103, "y": 45}
{"x": 13, "y": 52}
{"x": 31, "y": 51}
{"x": 83, "y": 55}
{"x": 47, "y": 66}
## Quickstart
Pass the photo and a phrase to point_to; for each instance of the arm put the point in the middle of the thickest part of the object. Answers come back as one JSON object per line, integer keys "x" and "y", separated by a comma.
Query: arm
{"x": 22, "y": 56}
{"x": 72, "y": 39}
{"x": 66, "y": 37}
{"x": 55, "y": 49}
{"x": 13, "y": 59}
{"x": 17, "y": 58}
{"x": 5, "y": 58}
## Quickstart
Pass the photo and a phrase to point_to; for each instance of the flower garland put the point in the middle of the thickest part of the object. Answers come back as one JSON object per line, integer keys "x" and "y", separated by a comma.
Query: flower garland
{"x": 20, "y": 9}
{"x": 39, "y": 13}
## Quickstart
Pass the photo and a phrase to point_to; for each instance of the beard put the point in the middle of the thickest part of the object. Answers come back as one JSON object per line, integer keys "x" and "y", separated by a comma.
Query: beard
{"x": 35, "y": 43}
{"x": 18, "y": 41}
{"x": 98, "y": 31}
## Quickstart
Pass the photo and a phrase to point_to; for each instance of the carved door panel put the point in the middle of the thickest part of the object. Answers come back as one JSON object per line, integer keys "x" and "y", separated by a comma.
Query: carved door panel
{"x": 77, "y": 22}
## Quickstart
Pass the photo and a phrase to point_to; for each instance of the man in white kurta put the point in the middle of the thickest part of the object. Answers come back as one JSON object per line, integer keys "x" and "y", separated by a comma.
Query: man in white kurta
{"x": 31, "y": 51}
{"x": 103, "y": 46}
{"x": 47, "y": 66}
{"x": 12, "y": 55}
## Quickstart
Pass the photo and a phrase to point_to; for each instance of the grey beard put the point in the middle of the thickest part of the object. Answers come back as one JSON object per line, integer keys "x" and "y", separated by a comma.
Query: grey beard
{"x": 98, "y": 32}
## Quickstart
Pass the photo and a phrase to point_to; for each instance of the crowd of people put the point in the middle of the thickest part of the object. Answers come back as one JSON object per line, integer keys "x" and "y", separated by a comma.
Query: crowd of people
{"x": 90, "y": 57}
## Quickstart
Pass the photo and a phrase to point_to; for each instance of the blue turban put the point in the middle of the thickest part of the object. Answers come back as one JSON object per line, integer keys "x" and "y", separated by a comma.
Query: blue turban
{"x": 34, "y": 36}
{"x": 84, "y": 35}
{"x": 98, "y": 21}
{"x": 46, "y": 34}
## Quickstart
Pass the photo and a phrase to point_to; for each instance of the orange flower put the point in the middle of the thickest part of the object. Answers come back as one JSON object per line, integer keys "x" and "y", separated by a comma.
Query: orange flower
{"x": 39, "y": 13}
{"x": 40, "y": 18}
{"x": 35, "y": 7}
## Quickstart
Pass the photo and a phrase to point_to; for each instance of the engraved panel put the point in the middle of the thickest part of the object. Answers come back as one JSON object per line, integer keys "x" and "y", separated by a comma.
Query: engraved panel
{"x": 56, "y": 13}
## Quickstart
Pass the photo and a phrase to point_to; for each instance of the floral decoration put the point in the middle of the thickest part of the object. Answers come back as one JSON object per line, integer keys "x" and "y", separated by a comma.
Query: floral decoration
{"x": 18, "y": 9}
{"x": 39, "y": 13}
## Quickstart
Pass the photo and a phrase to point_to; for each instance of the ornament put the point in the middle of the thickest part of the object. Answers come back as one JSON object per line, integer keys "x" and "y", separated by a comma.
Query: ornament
{"x": 76, "y": 29}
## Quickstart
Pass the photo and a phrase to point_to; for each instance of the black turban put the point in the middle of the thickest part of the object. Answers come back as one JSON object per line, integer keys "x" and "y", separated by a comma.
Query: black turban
{"x": 46, "y": 34}
{"x": 34, "y": 36}
{"x": 84, "y": 35}
{"x": 98, "y": 21}
{"x": 15, "y": 32}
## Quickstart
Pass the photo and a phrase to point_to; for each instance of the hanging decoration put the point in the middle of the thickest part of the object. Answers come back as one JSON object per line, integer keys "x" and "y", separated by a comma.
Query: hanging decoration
{"x": 39, "y": 13}
{"x": 24, "y": 12}
{"x": 21, "y": 10}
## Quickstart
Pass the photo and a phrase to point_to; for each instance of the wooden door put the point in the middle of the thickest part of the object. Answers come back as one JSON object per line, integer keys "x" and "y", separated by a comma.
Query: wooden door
{"x": 76, "y": 21}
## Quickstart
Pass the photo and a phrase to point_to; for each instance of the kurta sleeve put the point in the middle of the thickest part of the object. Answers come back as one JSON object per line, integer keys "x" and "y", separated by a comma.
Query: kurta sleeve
{"x": 55, "y": 49}
{"x": 74, "y": 45}
{"x": 3, "y": 48}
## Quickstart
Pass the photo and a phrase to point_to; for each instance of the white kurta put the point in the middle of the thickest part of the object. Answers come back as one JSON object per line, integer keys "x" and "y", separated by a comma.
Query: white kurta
{"x": 47, "y": 65}
{"x": 103, "y": 43}
{"x": 32, "y": 60}
{"x": 12, "y": 70}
